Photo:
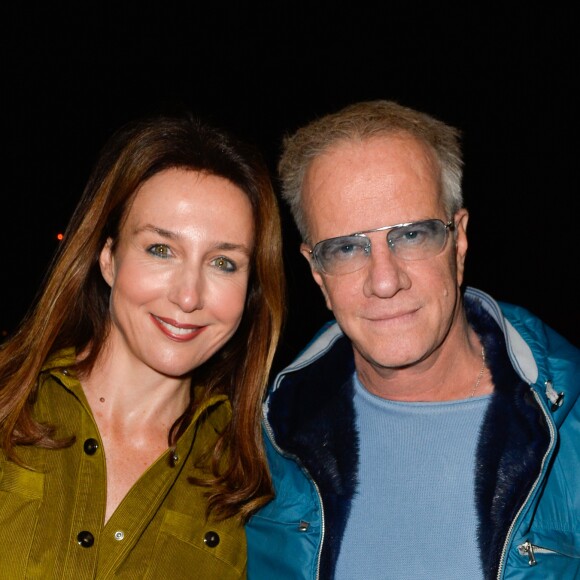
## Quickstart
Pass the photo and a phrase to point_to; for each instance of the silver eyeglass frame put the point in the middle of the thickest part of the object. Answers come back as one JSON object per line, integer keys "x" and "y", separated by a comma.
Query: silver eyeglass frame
{"x": 449, "y": 227}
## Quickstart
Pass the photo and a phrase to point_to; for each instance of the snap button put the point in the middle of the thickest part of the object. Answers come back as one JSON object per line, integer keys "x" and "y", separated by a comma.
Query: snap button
{"x": 211, "y": 539}
{"x": 90, "y": 446}
{"x": 85, "y": 539}
{"x": 119, "y": 535}
{"x": 173, "y": 458}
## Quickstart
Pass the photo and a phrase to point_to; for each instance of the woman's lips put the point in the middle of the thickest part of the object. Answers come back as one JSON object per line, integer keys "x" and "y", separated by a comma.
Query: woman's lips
{"x": 176, "y": 331}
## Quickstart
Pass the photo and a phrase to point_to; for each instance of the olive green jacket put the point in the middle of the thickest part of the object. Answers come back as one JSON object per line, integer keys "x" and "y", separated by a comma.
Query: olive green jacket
{"x": 52, "y": 513}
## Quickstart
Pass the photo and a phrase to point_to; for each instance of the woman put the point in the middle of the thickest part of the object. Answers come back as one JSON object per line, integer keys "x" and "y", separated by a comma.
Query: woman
{"x": 130, "y": 395}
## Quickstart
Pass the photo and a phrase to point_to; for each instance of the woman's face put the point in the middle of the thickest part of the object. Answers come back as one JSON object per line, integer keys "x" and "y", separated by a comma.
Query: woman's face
{"x": 179, "y": 272}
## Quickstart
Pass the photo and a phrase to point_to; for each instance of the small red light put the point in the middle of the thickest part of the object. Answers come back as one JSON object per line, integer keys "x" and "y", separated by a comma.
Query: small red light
{"x": 59, "y": 237}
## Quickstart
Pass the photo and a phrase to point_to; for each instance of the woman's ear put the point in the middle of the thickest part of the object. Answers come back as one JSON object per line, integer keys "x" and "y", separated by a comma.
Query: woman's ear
{"x": 107, "y": 262}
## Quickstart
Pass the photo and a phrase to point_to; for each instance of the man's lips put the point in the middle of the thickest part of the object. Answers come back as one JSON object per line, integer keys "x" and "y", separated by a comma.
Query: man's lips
{"x": 175, "y": 330}
{"x": 391, "y": 316}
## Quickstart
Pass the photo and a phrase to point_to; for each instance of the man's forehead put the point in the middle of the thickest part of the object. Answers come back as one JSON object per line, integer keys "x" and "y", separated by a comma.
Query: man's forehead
{"x": 358, "y": 185}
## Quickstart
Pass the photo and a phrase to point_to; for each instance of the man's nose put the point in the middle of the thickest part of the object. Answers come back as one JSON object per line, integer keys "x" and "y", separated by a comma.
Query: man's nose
{"x": 385, "y": 275}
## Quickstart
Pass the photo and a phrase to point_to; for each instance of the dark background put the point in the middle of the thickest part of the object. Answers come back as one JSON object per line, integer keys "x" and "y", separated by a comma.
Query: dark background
{"x": 504, "y": 76}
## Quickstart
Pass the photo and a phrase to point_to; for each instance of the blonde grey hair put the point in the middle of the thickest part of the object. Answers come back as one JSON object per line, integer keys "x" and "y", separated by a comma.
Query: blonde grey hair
{"x": 362, "y": 121}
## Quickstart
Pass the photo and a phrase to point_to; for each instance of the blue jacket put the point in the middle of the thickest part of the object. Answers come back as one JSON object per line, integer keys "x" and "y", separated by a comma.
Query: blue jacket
{"x": 528, "y": 457}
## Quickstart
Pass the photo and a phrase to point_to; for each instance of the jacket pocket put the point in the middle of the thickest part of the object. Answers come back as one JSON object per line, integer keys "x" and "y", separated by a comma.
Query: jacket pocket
{"x": 21, "y": 493}
{"x": 27, "y": 484}
{"x": 193, "y": 548}
{"x": 556, "y": 556}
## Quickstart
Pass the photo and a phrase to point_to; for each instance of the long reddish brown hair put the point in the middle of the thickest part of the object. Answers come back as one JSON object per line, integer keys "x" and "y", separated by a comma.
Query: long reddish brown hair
{"x": 71, "y": 308}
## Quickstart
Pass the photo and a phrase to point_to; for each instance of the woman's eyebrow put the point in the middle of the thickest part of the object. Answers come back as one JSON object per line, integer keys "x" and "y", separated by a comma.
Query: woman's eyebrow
{"x": 174, "y": 236}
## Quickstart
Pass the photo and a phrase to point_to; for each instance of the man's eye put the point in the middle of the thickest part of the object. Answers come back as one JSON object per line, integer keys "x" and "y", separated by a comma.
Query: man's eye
{"x": 223, "y": 263}
{"x": 412, "y": 234}
{"x": 346, "y": 248}
{"x": 160, "y": 250}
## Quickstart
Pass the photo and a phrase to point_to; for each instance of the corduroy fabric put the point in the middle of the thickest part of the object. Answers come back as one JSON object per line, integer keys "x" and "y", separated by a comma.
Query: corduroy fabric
{"x": 159, "y": 531}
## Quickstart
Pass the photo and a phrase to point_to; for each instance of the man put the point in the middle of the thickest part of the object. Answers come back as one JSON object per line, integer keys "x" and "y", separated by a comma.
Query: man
{"x": 430, "y": 432}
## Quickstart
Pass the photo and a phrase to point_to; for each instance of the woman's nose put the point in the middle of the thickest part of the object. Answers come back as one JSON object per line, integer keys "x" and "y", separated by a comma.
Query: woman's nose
{"x": 186, "y": 290}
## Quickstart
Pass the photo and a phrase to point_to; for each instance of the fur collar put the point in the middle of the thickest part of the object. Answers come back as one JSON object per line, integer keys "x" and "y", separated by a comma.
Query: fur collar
{"x": 312, "y": 417}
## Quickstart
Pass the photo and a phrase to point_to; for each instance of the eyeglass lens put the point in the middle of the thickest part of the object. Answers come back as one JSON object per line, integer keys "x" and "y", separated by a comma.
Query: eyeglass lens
{"x": 416, "y": 241}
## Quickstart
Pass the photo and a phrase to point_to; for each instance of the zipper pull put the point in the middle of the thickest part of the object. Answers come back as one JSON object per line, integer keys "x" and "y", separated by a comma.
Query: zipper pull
{"x": 528, "y": 549}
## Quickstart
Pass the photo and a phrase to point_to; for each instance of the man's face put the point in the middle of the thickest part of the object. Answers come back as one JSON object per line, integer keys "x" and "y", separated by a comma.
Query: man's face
{"x": 395, "y": 311}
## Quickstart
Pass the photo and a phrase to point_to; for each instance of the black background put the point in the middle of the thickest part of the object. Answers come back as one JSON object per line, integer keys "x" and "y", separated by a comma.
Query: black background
{"x": 504, "y": 75}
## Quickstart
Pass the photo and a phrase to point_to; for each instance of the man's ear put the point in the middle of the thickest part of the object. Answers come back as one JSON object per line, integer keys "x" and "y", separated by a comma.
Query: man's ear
{"x": 461, "y": 218}
{"x": 107, "y": 262}
{"x": 305, "y": 251}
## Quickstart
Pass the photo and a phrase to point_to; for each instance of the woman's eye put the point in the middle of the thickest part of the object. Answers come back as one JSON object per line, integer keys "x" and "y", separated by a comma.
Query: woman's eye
{"x": 224, "y": 264}
{"x": 160, "y": 250}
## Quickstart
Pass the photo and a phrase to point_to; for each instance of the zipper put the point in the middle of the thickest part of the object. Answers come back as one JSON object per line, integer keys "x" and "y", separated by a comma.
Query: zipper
{"x": 302, "y": 525}
{"x": 530, "y": 550}
{"x": 299, "y": 364}
{"x": 550, "y": 424}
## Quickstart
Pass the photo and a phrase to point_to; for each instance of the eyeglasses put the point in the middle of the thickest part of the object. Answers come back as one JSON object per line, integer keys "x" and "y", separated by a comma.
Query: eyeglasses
{"x": 409, "y": 241}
